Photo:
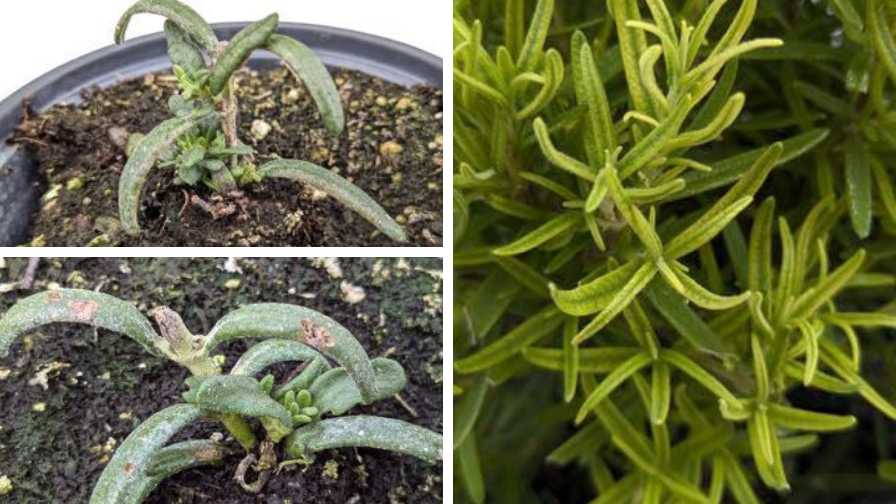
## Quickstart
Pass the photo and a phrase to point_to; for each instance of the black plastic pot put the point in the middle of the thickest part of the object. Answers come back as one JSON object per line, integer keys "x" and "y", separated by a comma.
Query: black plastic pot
{"x": 19, "y": 191}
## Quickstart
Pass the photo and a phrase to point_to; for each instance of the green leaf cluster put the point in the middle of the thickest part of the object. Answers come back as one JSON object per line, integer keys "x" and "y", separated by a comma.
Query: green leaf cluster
{"x": 669, "y": 230}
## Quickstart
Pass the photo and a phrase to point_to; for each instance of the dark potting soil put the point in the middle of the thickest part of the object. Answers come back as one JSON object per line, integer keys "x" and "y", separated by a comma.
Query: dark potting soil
{"x": 101, "y": 385}
{"x": 391, "y": 148}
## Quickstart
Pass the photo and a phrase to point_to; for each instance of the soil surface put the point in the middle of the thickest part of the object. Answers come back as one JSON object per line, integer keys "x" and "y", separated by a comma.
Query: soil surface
{"x": 57, "y": 433}
{"x": 391, "y": 148}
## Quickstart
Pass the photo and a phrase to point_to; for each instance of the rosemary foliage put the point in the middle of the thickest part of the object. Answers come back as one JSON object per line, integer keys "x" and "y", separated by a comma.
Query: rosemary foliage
{"x": 675, "y": 221}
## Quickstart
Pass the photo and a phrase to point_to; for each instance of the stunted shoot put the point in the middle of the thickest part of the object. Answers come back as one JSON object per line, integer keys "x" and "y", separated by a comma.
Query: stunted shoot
{"x": 310, "y": 402}
{"x": 201, "y": 144}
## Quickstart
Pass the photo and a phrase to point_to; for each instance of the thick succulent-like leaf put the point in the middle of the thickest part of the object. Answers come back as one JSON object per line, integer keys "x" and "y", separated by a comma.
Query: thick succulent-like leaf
{"x": 144, "y": 157}
{"x": 308, "y": 68}
{"x": 366, "y": 432}
{"x": 250, "y": 38}
{"x": 181, "y": 50}
{"x": 173, "y": 459}
{"x": 180, "y": 456}
{"x": 270, "y": 352}
{"x": 285, "y": 321}
{"x": 79, "y": 307}
{"x": 233, "y": 394}
{"x": 335, "y": 392}
{"x": 127, "y": 469}
{"x": 342, "y": 190}
{"x": 185, "y": 17}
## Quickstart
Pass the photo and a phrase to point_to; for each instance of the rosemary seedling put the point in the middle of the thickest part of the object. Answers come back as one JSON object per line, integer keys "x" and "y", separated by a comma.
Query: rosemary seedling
{"x": 201, "y": 143}
{"x": 305, "y": 415}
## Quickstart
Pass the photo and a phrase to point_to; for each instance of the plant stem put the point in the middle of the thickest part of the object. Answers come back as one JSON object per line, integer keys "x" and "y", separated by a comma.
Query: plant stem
{"x": 229, "y": 119}
{"x": 240, "y": 430}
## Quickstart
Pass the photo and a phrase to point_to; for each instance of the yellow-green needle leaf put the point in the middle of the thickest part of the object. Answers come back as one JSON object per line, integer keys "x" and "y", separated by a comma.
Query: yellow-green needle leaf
{"x": 703, "y": 298}
{"x": 797, "y": 419}
{"x": 601, "y": 360}
{"x": 620, "y": 300}
{"x": 570, "y": 358}
{"x": 660, "y": 393}
{"x": 533, "y": 329}
{"x": 597, "y": 294}
{"x": 544, "y": 233}
{"x": 611, "y": 383}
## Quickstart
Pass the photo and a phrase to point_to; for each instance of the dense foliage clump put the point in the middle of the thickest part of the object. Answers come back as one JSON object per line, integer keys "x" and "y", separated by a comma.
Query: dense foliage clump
{"x": 675, "y": 224}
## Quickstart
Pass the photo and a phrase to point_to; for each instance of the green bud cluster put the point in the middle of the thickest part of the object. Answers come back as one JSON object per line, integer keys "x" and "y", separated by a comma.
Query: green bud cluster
{"x": 193, "y": 84}
{"x": 299, "y": 406}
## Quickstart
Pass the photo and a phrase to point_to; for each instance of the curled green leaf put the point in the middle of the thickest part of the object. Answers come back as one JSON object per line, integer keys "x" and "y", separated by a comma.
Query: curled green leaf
{"x": 145, "y": 156}
{"x": 342, "y": 190}
{"x": 335, "y": 392}
{"x": 185, "y": 17}
{"x": 292, "y": 322}
{"x": 128, "y": 468}
{"x": 80, "y": 307}
{"x": 181, "y": 50}
{"x": 173, "y": 459}
{"x": 366, "y": 432}
{"x": 308, "y": 68}
{"x": 252, "y": 37}
{"x": 269, "y": 352}
{"x": 234, "y": 394}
